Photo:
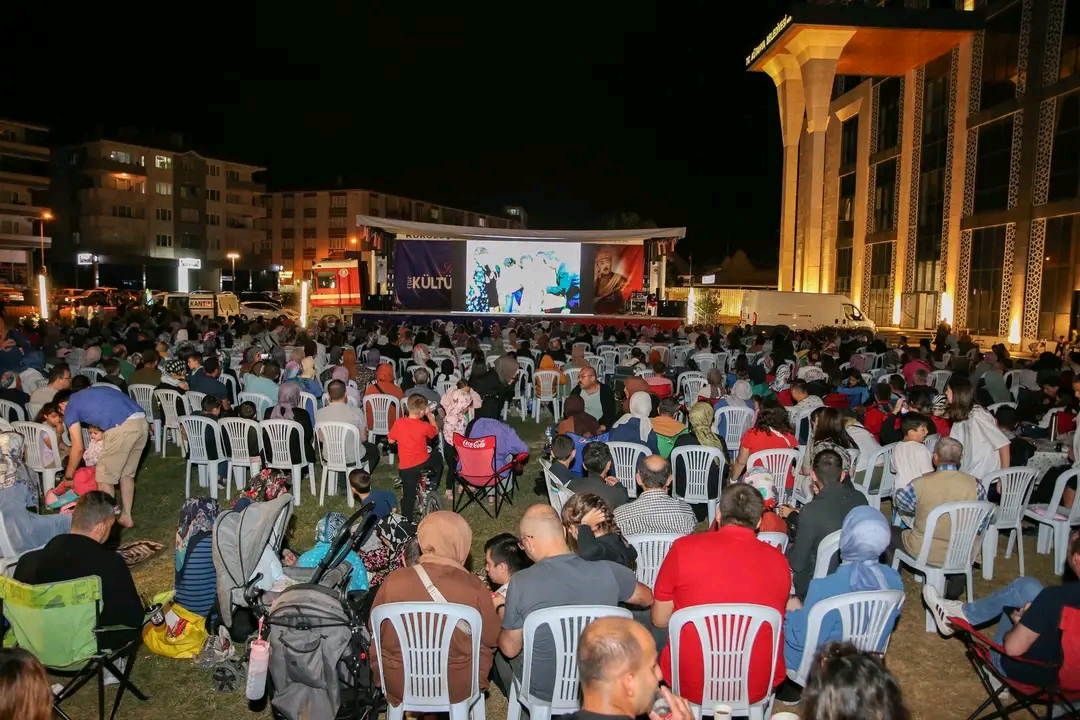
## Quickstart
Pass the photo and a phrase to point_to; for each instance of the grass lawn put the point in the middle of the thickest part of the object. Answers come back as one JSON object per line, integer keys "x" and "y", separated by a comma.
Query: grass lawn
{"x": 936, "y": 679}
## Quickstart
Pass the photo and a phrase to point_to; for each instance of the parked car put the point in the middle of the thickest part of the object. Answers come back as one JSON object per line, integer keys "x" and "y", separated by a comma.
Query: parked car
{"x": 266, "y": 309}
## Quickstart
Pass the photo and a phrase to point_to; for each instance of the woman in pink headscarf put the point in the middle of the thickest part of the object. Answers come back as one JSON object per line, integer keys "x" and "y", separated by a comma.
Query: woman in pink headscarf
{"x": 351, "y": 392}
{"x": 457, "y": 405}
{"x": 288, "y": 408}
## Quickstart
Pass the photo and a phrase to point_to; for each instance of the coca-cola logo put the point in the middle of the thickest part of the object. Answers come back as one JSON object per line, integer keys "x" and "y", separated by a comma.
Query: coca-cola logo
{"x": 474, "y": 444}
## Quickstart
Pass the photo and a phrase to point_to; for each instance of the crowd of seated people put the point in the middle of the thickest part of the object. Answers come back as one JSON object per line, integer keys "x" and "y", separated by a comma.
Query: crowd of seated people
{"x": 810, "y": 391}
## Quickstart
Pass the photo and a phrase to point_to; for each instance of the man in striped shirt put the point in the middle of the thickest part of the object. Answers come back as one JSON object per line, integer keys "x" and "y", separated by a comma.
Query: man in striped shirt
{"x": 655, "y": 512}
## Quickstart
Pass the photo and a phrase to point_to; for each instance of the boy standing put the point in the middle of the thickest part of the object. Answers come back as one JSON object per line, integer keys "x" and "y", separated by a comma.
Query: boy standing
{"x": 412, "y": 434}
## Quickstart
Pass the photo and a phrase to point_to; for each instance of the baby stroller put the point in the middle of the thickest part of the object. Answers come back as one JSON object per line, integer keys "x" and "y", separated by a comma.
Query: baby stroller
{"x": 316, "y": 633}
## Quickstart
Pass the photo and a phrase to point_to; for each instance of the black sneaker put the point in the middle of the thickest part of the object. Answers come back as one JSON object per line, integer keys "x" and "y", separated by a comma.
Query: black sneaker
{"x": 397, "y": 483}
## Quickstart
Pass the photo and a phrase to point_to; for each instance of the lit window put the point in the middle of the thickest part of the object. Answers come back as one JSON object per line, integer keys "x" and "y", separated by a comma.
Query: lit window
{"x": 162, "y": 162}
{"x": 163, "y": 188}
{"x": 164, "y": 241}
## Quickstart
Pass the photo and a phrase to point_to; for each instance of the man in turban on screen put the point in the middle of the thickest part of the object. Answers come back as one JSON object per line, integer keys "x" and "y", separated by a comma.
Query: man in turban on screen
{"x": 609, "y": 285}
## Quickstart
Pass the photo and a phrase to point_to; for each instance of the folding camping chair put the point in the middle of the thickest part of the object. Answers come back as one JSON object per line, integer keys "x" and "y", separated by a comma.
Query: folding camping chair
{"x": 479, "y": 474}
{"x": 1063, "y": 692}
{"x": 58, "y": 623}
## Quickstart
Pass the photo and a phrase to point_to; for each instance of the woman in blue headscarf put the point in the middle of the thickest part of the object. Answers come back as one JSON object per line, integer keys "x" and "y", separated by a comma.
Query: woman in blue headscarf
{"x": 863, "y": 538}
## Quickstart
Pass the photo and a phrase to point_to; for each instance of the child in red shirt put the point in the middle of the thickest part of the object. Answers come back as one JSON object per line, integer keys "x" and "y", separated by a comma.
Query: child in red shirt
{"x": 412, "y": 435}
{"x": 880, "y": 412}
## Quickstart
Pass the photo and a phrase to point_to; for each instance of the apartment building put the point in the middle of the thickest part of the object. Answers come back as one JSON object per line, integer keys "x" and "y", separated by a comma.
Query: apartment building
{"x": 932, "y": 160}
{"x": 134, "y": 212}
{"x": 302, "y": 228}
{"x": 24, "y": 185}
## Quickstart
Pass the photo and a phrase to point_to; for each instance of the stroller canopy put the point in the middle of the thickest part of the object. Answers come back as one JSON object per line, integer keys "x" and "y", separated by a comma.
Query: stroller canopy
{"x": 239, "y": 541}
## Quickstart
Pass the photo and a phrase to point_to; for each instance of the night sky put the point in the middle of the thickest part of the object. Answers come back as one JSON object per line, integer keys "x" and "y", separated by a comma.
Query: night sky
{"x": 575, "y": 112}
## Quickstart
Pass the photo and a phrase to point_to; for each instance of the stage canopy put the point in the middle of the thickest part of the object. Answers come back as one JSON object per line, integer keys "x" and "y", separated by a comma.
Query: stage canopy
{"x": 408, "y": 230}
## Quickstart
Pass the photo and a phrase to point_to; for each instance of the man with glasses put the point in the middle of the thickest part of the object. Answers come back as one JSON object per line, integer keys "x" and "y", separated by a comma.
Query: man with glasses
{"x": 599, "y": 399}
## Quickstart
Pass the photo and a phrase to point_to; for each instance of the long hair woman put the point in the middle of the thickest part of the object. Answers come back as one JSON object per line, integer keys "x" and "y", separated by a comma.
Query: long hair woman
{"x": 25, "y": 693}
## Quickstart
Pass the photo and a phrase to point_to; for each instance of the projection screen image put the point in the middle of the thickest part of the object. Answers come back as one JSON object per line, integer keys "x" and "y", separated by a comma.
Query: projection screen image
{"x": 523, "y": 277}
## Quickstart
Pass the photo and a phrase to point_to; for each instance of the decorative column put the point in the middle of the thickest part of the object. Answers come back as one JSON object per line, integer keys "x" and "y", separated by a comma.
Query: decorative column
{"x": 784, "y": 71}
{"x": 817, "y": 52}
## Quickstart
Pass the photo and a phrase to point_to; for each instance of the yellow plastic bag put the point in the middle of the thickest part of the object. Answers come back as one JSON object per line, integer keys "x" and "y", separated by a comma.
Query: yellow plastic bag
{"x": 184, "y": 645}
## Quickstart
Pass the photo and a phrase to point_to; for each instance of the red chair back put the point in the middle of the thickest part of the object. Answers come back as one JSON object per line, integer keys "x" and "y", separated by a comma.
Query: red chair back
{"x": 1069, "y": 676}
{"x": 476, "y": 460}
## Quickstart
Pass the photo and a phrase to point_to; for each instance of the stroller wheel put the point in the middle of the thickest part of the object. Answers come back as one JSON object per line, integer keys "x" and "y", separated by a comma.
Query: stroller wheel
{"x": 225, "y": 677}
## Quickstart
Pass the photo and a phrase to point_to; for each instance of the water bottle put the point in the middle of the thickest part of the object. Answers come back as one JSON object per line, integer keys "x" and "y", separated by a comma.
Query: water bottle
{"x": 258, "y": 665}
{"x": 549, "y": 433}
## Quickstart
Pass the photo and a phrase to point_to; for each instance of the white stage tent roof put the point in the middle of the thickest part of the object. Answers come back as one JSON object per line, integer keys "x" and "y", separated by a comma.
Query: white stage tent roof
{"x": 406, "y": 229}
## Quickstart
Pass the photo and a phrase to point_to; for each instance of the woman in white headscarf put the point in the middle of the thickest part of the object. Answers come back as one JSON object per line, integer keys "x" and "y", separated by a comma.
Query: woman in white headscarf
{"x": 636, "y": 426}
{"x": 740, "y": 396}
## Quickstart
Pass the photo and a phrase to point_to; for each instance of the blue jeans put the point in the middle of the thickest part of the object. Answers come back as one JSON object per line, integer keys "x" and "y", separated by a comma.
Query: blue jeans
{"x": 1017, "y": 594}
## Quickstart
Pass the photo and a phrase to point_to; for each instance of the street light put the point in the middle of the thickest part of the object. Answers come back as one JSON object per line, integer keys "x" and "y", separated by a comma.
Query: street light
{"x": 45, "y": 216}
{"x": 234, "y": 256}
{"x": 352, "y": 240}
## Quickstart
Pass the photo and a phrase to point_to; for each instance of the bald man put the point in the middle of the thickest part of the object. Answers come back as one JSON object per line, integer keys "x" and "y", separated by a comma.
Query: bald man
{"x": 559, "y": 577}
{"x": 619, "y": 674}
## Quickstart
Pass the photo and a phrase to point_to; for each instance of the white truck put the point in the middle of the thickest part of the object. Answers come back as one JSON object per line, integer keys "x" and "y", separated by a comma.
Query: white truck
{"x": 203, "y": 303}
{"x": 798, "y": 310}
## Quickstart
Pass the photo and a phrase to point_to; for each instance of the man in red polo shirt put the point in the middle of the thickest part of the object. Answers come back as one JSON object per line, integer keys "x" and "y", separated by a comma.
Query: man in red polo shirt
{"x": 728, "y": 566}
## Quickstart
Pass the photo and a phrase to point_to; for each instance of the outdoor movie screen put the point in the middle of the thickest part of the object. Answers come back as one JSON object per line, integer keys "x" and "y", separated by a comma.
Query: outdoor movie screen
{"x": 517, "y": 277}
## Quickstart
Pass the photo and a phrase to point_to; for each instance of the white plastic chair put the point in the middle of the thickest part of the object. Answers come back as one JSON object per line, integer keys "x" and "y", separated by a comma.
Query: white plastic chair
{"x": 193, "y": 400}
{"x": 888, "y": 476}
{"x": 566, "y": 625}
{"x": 727, "y": 633}
{"x": 309, "y": 402}
{"x": 779, "y": 462}
{"x": 230, "y": 385}
{"x": 8, "y": 409}
{"x": 442, "y": 387}
{"x": 864, "y": 617}
{"x": 705, "y": 362}
{"x": 92, "y": 374}
{"x": 144, "y": 395}
{"x": 168, "y": 399}
{"x": 827, "y": 549}
{"x": 557, "y": 492}
{"x": 522, "y": 393}
{"x": 106, "y": 384}
{"x": 938, "y": 379}
{"x": 737, "y": 421}
{"x": 698, "y": 462}
{"x": 686, "y": 376}
{"x": 1055, "y": 521}
{"x": 195, "y": 428}
{"x": 778, "y": 540}
{"x": 261, "y": 401}
{"x": 279, "y": 455}
{"x": 380, "y": 414}
{"x": 35, "y": 435}
{"x": 547, "y": 391}
{"x": 571, "y": 379}
{"x": 234, "y": 440}
{"x": 1016, "y": 485}
{"x": 424, "y": 631}
{"x": 965, "y": 519}
{"x": 335, "y": 439}
{"x": 651, "y": 551}
{"x": 625, "y": 457}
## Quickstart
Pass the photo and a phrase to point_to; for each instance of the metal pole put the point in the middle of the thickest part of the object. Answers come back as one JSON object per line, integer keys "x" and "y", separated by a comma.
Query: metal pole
{"x": 42, "y": 246}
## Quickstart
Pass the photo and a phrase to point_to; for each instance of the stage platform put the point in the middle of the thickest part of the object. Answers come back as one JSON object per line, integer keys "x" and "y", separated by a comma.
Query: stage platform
{"x": 426, "y": 316}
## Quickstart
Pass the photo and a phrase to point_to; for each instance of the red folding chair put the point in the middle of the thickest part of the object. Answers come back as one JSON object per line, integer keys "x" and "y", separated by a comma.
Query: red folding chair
{"x": 1065, "y": 691}
{"x": 479, "y": 475}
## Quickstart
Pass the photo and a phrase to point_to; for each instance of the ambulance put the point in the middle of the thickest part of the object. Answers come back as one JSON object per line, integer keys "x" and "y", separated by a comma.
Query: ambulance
{"x": 336, "y": 290}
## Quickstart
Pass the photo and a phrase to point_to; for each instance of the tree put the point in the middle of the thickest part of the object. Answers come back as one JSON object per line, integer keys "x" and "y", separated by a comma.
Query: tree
{"x": 707, "y": 306}
{"x": 626, "y": 221}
